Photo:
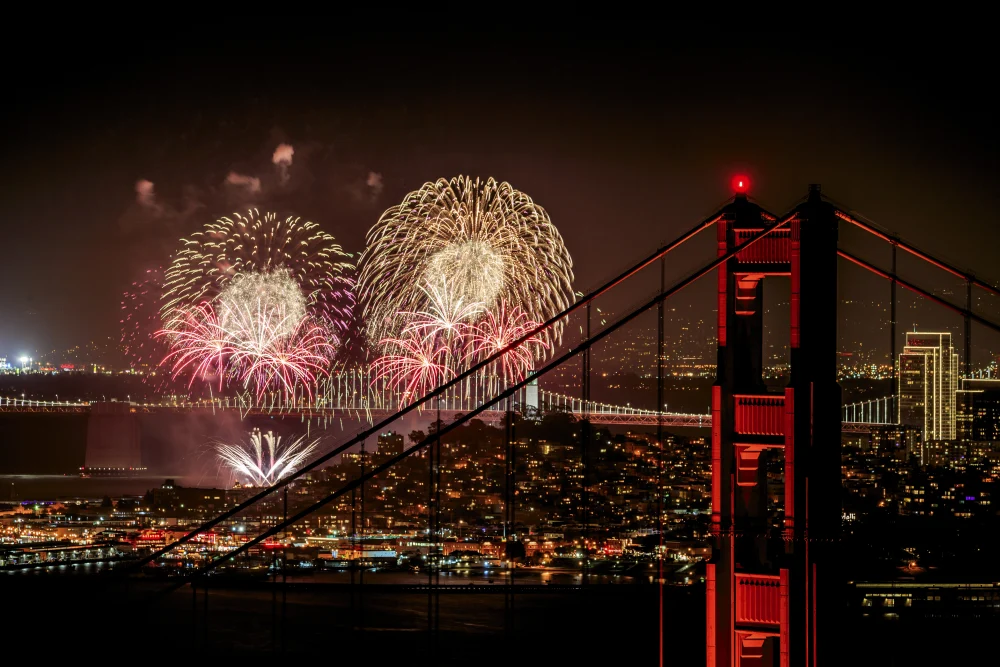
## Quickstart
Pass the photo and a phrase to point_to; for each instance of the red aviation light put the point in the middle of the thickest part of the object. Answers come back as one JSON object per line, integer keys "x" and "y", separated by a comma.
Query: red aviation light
{"x": 741, "y": 184}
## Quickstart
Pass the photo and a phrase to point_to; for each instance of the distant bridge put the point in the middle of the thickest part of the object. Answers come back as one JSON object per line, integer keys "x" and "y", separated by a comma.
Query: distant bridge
{"x": 355, "y": 393}
{"x": 863, "y": 416}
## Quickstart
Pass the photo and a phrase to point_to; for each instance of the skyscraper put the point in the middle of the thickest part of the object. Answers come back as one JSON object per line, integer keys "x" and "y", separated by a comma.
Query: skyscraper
{"x": 978, "y": 418}
{"x": 928, "y": 380}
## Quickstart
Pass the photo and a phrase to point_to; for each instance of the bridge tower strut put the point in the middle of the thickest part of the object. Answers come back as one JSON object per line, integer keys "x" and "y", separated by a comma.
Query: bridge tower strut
{"x": 762, "y": 582}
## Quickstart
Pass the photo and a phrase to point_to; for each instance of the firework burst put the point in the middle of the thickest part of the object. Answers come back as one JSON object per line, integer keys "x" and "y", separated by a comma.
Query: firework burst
{"x": 485, "y": 241}
{"x": 448, "y": 319}
{"x": 250, "y": 345}
{"x": 500, "y": 328}
{"x": 200, "y": 345}
{"x": 260, "y": 310}
{"x": 264, "y": 460}
{"x": 239, "y": 254}
{"x": 274, "y": 299}
{"x": 286, "y": 362}
{"x": 413, "y": 365}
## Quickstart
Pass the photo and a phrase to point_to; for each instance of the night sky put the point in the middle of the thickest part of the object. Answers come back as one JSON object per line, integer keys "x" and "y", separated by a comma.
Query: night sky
{"x": 625, "y": 138}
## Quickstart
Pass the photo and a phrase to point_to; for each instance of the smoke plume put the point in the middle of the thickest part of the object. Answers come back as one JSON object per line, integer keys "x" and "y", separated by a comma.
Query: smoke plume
{"x": 251, "y": 183}
{"x": 145, "y": 195}
{"x": 374, "y": 181}
{"x": 283, "y": 154}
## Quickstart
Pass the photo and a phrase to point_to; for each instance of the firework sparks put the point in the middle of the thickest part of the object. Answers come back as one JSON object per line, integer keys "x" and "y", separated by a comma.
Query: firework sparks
{"x": 447, "y": 316}
{"x": 264, "y": 460}
{"x": 249, "y": 344}
{"x": 235, "y": 249}
{"x": 413, "y": 366}
{"x": 286, "y": 362}
{"x": 274, "y": 298}
{"x": 200, "y": 345}
{"x": 474, "y": 267}
{"x": 257, "y": 299}
{"x": 500, "y": 328}
{"x": 485, "y": 240}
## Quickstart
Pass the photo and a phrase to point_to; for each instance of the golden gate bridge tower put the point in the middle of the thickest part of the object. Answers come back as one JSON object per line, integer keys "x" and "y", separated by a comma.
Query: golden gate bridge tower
{"x": 767, "y": 572}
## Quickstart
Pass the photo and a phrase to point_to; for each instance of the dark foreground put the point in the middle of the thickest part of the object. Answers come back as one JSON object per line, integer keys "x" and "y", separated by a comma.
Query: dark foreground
{"x": 597, "y": 624}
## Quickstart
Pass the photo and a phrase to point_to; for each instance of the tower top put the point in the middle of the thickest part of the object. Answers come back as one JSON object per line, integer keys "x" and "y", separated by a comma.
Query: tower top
{"x": 741, "y": 184}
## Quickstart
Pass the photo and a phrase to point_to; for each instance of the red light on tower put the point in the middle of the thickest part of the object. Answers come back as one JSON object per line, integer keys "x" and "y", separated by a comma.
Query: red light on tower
{"x": 741, "y": 184}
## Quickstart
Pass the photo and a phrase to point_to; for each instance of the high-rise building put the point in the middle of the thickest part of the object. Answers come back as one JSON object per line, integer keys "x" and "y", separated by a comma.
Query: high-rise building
{"x": 978, "y": 418}
{"x": 928, "y": 381}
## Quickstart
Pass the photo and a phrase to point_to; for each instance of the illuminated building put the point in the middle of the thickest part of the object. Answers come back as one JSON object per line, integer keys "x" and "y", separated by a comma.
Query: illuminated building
{"x": 928, "y": 381}
{"x": 941, "y": 453}
{"x": 978, "y": 418}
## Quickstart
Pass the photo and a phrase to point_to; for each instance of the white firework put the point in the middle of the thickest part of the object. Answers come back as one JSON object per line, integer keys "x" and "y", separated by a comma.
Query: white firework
{"x": 484, "y": 240}
{"x": 264, "y": 460}
{"x": 448, "y": 315}
{"x": 276, "y": 296}
{"x": 473, "y": 270}
{"x": 256, "y": 243}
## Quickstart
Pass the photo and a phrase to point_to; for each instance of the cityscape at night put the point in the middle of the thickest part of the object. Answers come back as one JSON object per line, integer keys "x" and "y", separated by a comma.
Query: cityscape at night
{"x": 632, "y": 347}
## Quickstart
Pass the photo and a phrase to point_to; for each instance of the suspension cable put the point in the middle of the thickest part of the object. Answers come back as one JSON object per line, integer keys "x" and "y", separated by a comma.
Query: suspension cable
{"x": 899, "y": 243}
{"x": 917, "y": 290}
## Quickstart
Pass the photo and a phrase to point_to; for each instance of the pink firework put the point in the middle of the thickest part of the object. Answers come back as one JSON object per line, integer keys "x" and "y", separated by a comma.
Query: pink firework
{"x": 257, "y": 347}
{"x": 500, "y": 328}
{"x": 199, "y": 344}
{"x": 287, "y": 361}
{"x": 415, "y": 365}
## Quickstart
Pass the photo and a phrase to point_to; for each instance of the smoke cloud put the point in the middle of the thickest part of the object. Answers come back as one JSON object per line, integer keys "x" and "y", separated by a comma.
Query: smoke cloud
{"x": 251, "y": 183}
{"x": 145, "y": 195}
{"x": 374, "y": 181}
{"x": 282, "y": 158}
{"x": 283, "y": 154}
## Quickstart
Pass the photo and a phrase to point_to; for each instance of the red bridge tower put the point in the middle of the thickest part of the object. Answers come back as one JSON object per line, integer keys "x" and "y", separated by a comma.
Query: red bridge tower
{"x": 767, "y": 572}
